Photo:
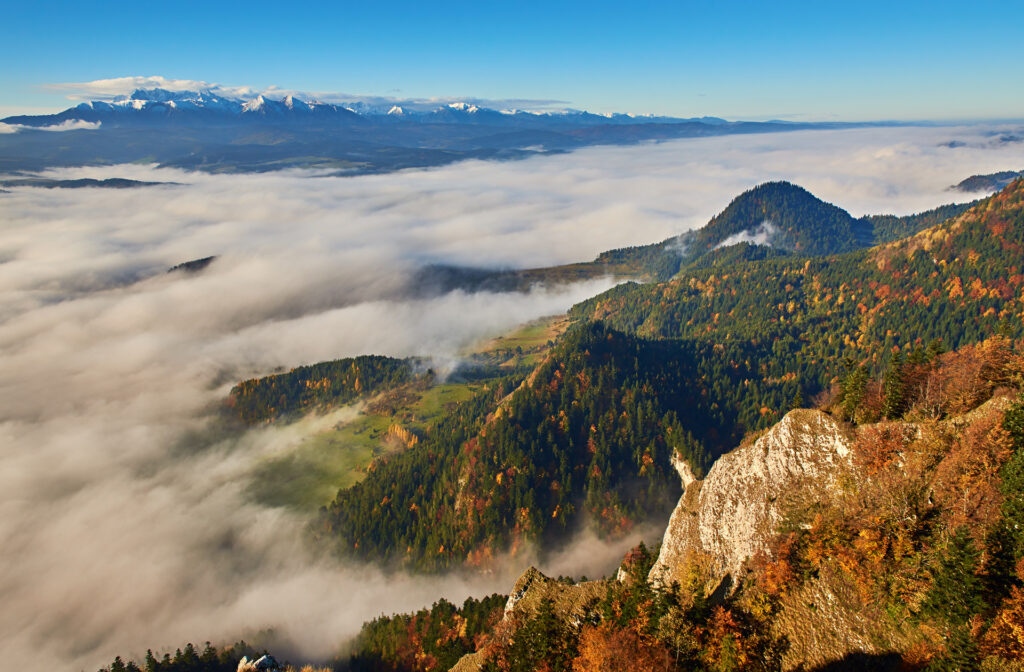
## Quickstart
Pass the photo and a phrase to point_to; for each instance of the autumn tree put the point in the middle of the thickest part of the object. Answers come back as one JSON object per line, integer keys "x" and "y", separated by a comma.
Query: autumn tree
{"x": 604, "y": 648}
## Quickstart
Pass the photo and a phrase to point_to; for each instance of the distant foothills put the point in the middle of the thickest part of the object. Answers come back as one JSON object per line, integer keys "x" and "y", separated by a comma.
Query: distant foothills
{"x": 199, "y": 130}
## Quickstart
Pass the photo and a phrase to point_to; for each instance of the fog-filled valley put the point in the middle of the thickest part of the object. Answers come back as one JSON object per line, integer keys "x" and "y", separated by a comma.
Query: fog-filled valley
{"x": 128, "y": 516}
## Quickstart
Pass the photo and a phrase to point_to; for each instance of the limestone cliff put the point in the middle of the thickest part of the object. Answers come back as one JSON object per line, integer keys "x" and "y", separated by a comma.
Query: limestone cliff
{"x": 730, "y": 515}
{"x": 809, "y": 462}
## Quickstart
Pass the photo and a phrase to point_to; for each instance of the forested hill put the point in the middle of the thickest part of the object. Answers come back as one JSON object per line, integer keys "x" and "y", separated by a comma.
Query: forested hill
{"x": 687, "y": 366}
{"x": 957, "y": 282}
{"x": 785, "y": 216}
{"x": 990, "y": 182}
{"x": 775, "y": 219}
{"x": 772, "y": 219}
{"x": 589, "y": 433}
{"x": 892, "y": 227}
{"x": 325, "y": 384}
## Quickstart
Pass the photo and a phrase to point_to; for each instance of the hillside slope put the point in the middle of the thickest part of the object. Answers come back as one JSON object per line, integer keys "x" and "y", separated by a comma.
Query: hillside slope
{"x": 771, "y": 220}
{"x": 891, "y": 545}
{"x": 689, "y": 366}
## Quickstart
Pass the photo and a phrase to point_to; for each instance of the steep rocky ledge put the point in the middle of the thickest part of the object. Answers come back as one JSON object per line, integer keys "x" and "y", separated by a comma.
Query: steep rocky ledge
{"x": 572, "y": 603}
{"x": 724, "y": 520}
{"x": 730, "y": 515}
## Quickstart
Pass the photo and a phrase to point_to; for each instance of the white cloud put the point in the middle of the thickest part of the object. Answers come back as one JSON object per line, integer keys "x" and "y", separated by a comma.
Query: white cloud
{"x": 66, "y": 125}
{"x": 109, "y": 89}
{"x": 106, "y": 89}
{"x": 762, "y": 234}
{"x": 124, "y": 524}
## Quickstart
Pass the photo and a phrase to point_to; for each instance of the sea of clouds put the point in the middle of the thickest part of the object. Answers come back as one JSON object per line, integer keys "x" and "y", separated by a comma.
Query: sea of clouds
{"x": 124, "y": 522}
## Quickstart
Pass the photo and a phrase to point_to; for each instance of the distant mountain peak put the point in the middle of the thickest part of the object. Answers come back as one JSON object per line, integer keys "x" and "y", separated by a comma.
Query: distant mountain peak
{"x": 164, "y": 96}
{"x": 464, "y": 107}
{"x": 255, "y": 105}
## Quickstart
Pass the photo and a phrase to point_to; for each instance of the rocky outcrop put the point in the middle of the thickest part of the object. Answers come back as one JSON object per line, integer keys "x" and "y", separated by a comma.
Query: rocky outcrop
{"x": 263, "y": 664}
{"x": 401, "y": 436}
{"x": 730, "y": 515}
{"x": 572, "y": 603}
{"x": 825, "y": 620}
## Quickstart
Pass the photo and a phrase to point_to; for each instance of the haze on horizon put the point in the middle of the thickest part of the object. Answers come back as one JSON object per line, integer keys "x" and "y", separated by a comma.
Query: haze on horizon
{"x": 754, "y": 61}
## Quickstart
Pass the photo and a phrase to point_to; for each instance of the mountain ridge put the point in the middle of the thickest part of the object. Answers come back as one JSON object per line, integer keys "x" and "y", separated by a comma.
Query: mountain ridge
{"x": 207, "y": 105}
{"x": 204, "y": 131}
{"x": 689, "y": 365}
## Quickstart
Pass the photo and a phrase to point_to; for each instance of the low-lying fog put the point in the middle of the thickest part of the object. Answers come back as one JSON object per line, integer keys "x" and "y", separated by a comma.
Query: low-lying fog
{"x": 124, "y": 526}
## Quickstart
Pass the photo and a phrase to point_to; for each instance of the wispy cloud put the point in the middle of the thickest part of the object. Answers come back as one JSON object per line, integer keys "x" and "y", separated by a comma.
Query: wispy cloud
{"x": 762, "y": 234}
{"x": 67, "y": 125}
{"x": 110, "y": 89}
{"x": 107, "y": 89}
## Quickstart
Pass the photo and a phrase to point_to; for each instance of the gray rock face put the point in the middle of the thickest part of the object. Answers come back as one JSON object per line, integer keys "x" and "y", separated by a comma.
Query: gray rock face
{"x": 730, "y": 515}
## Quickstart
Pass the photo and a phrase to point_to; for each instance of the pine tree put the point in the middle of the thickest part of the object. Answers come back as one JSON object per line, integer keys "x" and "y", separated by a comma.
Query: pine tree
{"x": 956, "y": 592}
{"x": 1000, "y": 563}
{"x": 894, "y": 403}
{"x": 798, "y": 399}
{"x": 853, "y": 390}
{"x": 961, "y": 654}
{"x": 1012, "y": 480}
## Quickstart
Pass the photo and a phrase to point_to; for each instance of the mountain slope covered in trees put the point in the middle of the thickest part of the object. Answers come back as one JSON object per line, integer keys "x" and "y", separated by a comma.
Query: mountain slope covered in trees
{"x": 905, "y": 342}
{"x": 911, "y": 560}
{"x": 772, "y": 219}
{"x": 320, "y": 385}
{"x": 689, "y": 366}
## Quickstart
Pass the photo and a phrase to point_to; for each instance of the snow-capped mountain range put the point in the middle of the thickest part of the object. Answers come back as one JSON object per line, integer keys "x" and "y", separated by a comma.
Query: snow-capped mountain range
{"x": 204, "y": 130}
{"x": 149, "y": 105}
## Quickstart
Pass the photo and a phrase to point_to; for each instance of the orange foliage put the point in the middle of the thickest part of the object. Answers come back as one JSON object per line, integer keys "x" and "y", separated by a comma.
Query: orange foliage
{"x": 956, "y": 288}
{"x": 967, "y": 479}
{"x": 958, "y": 381}
{"x": 606, "y": 649}
{"x": 1006, "y": 636}
{"x": 775, "y": 575}
{"x": 878, "y": 446}
{"x": 725, "y": 647}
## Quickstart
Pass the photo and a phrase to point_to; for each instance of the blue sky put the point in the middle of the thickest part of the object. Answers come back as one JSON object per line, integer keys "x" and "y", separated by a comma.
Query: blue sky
{"x": 753, "y": 60}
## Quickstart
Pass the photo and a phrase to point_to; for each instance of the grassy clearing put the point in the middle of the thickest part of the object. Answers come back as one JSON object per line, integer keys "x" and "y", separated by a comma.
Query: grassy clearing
{"x": 434, "y": 400}
{"x": 310, "y": 476}
{"x": 526, "y": 345}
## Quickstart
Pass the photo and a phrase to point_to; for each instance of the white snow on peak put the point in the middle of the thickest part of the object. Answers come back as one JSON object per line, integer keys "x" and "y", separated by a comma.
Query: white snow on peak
{"x": 464, "y": 107}
{"x": 396, "y": 111}
{"x": 293, "y": 103}
{"x": 254, "y": 105}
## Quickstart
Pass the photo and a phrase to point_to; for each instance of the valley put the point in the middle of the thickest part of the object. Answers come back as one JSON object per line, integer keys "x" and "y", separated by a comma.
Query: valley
{"x": 490, "y": 337}
{"x": 891, "y": 505}
{"x": 448, "y": 464}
